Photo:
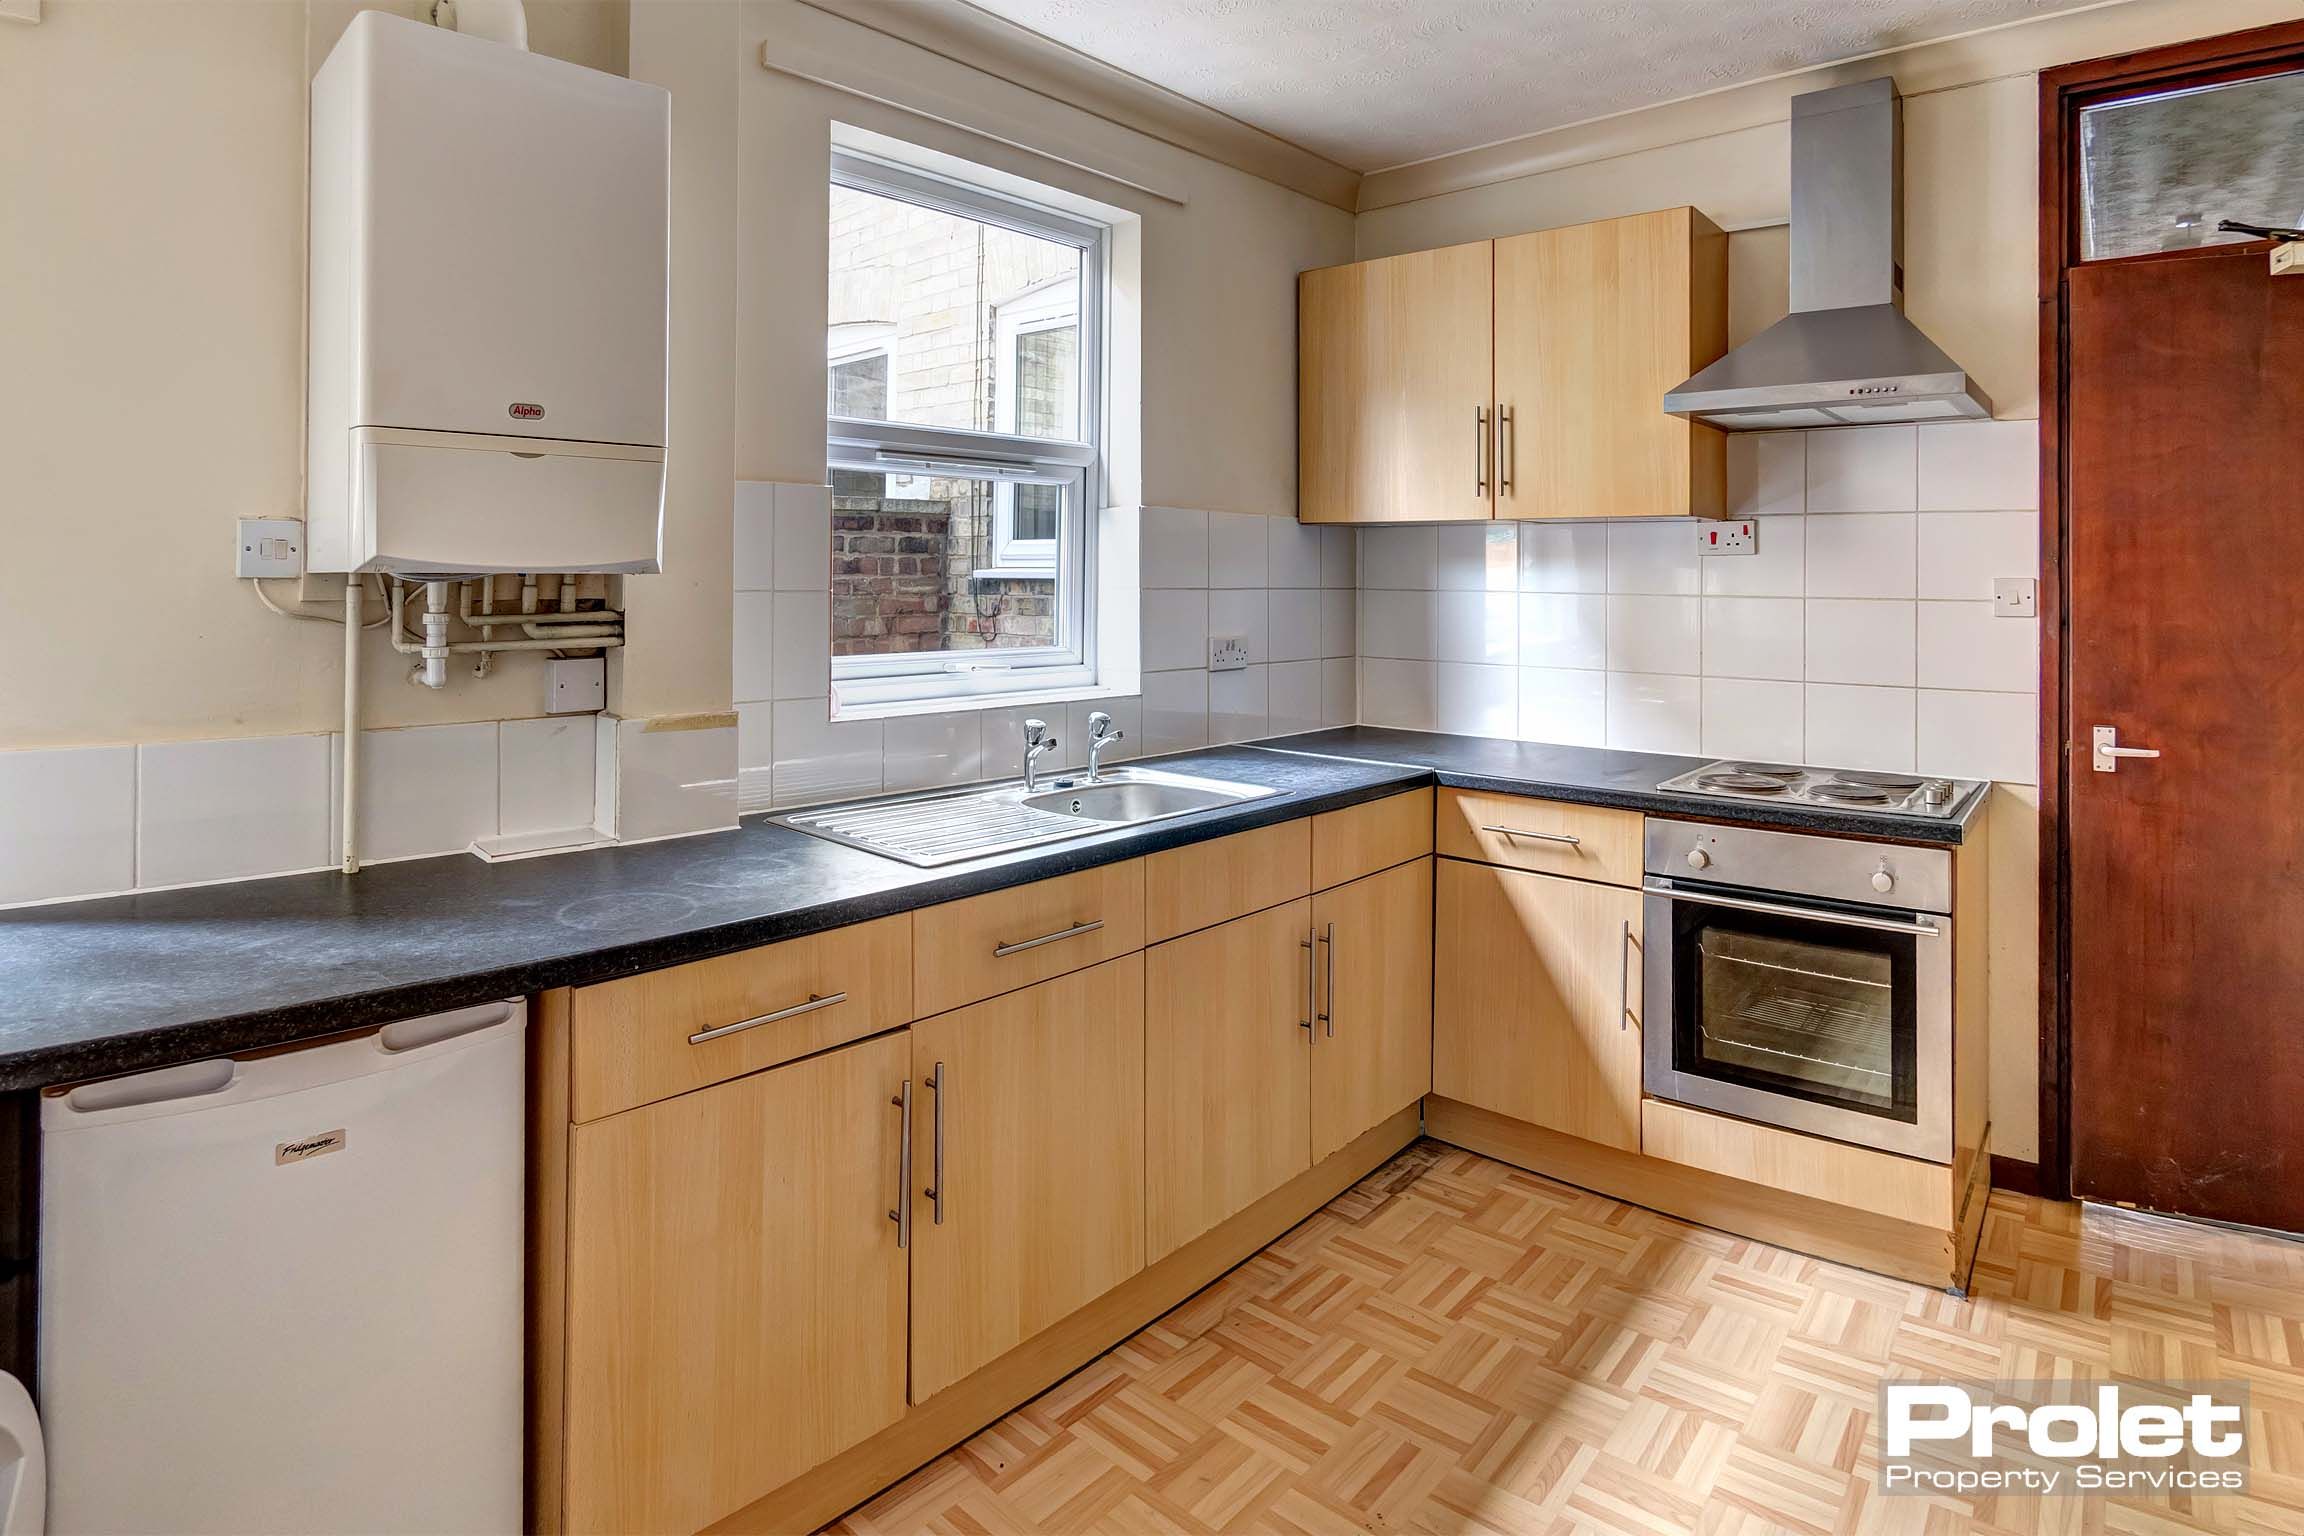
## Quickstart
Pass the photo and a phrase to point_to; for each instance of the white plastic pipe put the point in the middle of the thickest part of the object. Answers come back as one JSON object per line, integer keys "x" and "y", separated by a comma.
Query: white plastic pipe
{"x": 348, "y": 834}
{"x": 433, "y": 673}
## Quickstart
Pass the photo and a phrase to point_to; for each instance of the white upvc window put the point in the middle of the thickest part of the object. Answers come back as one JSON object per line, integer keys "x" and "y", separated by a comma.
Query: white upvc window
{"x": 964, "y": 412}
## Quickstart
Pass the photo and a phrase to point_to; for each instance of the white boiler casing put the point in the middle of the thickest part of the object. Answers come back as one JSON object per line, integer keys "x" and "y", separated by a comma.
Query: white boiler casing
{"x": 489, "y": 296}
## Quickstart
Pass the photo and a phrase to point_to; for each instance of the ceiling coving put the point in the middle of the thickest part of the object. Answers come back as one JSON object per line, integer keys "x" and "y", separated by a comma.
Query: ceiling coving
{"x": 1372, "y": 84}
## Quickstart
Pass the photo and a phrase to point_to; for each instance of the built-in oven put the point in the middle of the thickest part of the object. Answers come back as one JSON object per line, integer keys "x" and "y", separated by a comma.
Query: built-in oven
{"x": 1801, "y": 981}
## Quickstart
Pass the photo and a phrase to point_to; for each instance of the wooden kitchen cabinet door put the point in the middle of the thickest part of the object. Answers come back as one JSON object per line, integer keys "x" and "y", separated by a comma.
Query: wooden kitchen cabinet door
{"x": 735, "y": 1294}
{"x": 1227, "y": 1070}
{"x": 1372, "y": 1049}
{"x": 1536, "y": 1013}
{"x": 1594, "y": 324}
{"x": 1394, "y": 384}
{"x": 1028, "y": 1164}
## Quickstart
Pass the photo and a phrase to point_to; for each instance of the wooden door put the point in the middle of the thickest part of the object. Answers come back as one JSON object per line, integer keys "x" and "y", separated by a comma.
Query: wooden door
{"x": 1372, "y": 1047}
{"x": 1594, "y": 324}
{"x": 1394, "y": 389}
{"x": 735, "y": 1295}
{"x": 1227, "y": 1070}
{"x": 1536, "y": 1012}
{"x": 2184, "y": 449}
{"x": 1038, "y": 1191}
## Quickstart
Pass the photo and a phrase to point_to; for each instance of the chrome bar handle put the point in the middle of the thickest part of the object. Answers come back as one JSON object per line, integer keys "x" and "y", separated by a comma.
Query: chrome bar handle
{"x": 2107, "y": 751}
{"x": 935, "y": 1191}
{"x": 1479, "y": 450}
{"x": 1311, "y": 983}
{"x": 815, "y": 1001}
{"x": 1003, "y": 951}
{"x": 1327, "y": 1015}
{"x": 1624, "y": 980}
{"x": 1542, "y": 837}
{"x": 1919, "y": 927}
{"x": 1506, "y": 442}
{"x": 902, "y": 1215}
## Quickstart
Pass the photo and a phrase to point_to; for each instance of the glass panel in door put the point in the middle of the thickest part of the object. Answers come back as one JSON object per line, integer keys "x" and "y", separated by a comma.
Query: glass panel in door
{"x": 2158, "y": 172}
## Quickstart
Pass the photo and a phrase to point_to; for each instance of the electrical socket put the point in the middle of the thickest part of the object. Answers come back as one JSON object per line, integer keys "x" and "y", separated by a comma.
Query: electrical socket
{"x": 1227, "y": 653}
{"x": 1728, "y": 538}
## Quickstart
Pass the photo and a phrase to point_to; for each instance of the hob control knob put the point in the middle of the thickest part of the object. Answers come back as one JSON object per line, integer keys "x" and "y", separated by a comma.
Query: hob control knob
{"x": 1699, "y": 859}
{"x": 1882, "y": 881}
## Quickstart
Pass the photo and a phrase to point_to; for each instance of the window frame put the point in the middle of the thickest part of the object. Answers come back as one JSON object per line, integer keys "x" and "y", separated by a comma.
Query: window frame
{"x": 1004, "y": 458}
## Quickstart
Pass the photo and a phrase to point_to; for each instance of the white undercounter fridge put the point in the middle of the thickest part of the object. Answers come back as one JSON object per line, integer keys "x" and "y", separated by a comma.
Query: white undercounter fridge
{"x": 282, "y": 1292}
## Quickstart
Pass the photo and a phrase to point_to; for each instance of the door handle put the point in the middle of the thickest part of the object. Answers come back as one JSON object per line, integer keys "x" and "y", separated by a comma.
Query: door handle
{"x": 2105, "y": 758}
{"x": 1507, "y": 449}
{"x": 1327, "y": 1016}
{"x": 1311, "y": 983}
{"x": 902, "y": 1215}
{"x": 1517, "y": 833}
{"x": 1479, "y": 450}
{"x": 1624, "y": 980}
{"x": 935, "y": 1190}
{"x": 815, "y": 1001}
{"x": 1003, "y": 951}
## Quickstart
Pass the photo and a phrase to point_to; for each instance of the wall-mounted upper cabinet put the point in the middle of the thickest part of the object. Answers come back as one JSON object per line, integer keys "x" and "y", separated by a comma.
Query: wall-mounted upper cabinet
{"x": 1518, "y": 378}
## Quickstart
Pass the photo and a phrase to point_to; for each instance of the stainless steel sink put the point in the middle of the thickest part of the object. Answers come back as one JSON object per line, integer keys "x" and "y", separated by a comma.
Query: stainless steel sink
{"x": 947, "y": 827}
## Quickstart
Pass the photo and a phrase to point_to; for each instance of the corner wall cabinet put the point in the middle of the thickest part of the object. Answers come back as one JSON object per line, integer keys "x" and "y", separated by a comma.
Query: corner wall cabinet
{"x": 1515, "y": 378}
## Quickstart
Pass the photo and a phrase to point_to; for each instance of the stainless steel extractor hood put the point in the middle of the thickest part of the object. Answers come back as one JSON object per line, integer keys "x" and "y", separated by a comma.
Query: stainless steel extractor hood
{"x": 1845, "y": 356}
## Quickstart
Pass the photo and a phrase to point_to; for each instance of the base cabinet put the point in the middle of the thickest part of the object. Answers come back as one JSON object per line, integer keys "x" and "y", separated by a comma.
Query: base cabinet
{"x": 1537, "y": 1010}
{"x": 735, "y": 1295}
{"x": 1028, "y": 1164}
{"x": 1372, "y": 1044}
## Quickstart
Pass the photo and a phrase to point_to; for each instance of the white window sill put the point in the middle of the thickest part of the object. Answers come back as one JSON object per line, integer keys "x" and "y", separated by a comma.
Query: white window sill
{"x": 892, "y": 709}
{"x": 1013, "y": 573}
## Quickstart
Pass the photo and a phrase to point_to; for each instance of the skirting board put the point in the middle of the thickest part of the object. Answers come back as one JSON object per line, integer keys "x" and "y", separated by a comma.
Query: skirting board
{"x": 952, "y": 1415}
{"x": 1924, "y": 1255}
{"x": 2016, "y": 1175}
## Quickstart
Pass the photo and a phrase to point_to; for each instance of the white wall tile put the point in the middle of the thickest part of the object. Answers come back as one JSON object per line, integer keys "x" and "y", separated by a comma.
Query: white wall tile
{"x": 755, "y": 758}
{"x": 1777, "y": 566}
{"x": 802, "y": 667}
{"x": 1236, "y": 547}
{"x": 1564, "y": 706}
{"x": 803, "y": 538}
{"x": 1291, "y": 553}
{"x": 818, "y": 758}
{"x": 1175, "y": 711}
{"x": 1861, "y": 640}
{"x": 1648, "y": 712}
{"x": 1767, "y": 473}
{"x": 1236, "y": 705}
{"x": 754, "y": 676}
{"x": 669, "y": 783}
{"x": 1475, "y": 557}
{"x": 1400, "y": 559}
{"x": 1127, "y": 714}
{"x": 924, "y": 751}
{"x": 1339, "y": 557}
{"x": 1762, "y": 721}
{"x": 1979, "y": 466}
{"x": 1656, "y": 558}
{"x": 1239, "y": 611}
{"x": 227, "y": 810}
{"x": 1563, "y": 557}
{"x": 1564, "y": 629}
{"x": 1292, "y": 697}
{"x": 423, "y": 790}
{"x": 1339, "y": 622}
{"x": 1396, "y": 624}
{"x": 1655, "y": 634}
{"x": 1980, "y": 735}
{"x": 1755, "y": 637}
{"x": 755, "y": 512}
{"x": 1864, "y": 555}
{"x": 1475, "y": 700}
{"x": 1862, "y": 469}
{"x": 544, "y": 774}
{"x": 1339, "y": 690}
{"x": 67, "y": 822}
{"x": 1175, "y": 628}
{"x": 1966, "y": 645}
{"x": 1174, "y": 547}
{"x": 1961, "y": 553}
{"x": 1396, "y": 693}
{"x": 1292, "y": 624}
{"x": 1860, "y": 727}
{"x": 1475, "y": 627}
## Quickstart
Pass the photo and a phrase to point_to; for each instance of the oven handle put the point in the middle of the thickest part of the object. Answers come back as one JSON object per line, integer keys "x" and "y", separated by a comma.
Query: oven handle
{"x": 1919, "y": 927}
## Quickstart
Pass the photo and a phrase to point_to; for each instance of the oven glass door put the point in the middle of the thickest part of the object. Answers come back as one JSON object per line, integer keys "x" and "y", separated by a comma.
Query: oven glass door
{"x": 1803, "y": 1008}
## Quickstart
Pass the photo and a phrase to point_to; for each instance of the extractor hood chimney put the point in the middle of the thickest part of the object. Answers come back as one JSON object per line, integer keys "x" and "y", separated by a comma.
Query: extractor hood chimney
{"x": 1845, "y": 356}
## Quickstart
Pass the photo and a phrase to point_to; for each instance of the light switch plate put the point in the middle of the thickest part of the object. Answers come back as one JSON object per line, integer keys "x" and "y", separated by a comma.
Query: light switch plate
{"x": 1728, "y": 538}
{"x": 1227, "y": 653}
{"x": 268, "y": 546}
{"x": 576, "y": 685}
{"x": 2015, "y": 597}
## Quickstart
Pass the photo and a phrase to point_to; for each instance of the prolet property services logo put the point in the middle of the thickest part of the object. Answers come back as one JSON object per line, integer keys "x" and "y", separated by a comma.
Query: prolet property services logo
{"x": 2062, "y": 1437}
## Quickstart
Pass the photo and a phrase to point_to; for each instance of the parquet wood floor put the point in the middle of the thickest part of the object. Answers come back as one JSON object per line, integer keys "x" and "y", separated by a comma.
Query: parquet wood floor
{"x": 1458, "y": 1346}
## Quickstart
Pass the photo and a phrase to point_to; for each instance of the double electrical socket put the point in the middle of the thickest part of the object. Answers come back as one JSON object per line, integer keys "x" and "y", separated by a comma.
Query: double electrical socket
{"x": 1227, "y": 653}
{"x": 1742, "y": 538}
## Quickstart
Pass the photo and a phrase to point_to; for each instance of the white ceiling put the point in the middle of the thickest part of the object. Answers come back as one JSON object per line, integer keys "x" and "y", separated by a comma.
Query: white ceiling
{"x": 1372, "y": 84}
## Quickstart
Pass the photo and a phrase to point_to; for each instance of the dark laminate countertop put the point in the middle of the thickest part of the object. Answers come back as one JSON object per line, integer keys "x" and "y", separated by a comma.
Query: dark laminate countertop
{"x": 123, "y": 983}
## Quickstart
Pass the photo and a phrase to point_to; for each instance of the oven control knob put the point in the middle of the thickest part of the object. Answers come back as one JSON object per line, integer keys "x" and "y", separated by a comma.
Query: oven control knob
{"x": 1882, "y": 881}
{"x": 1699, "y": 859}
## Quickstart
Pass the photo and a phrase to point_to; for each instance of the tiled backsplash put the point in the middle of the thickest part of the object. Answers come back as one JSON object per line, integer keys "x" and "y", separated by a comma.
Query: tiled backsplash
{"x": 1860, "y": 634}
{"x": 1202, "y": 572}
